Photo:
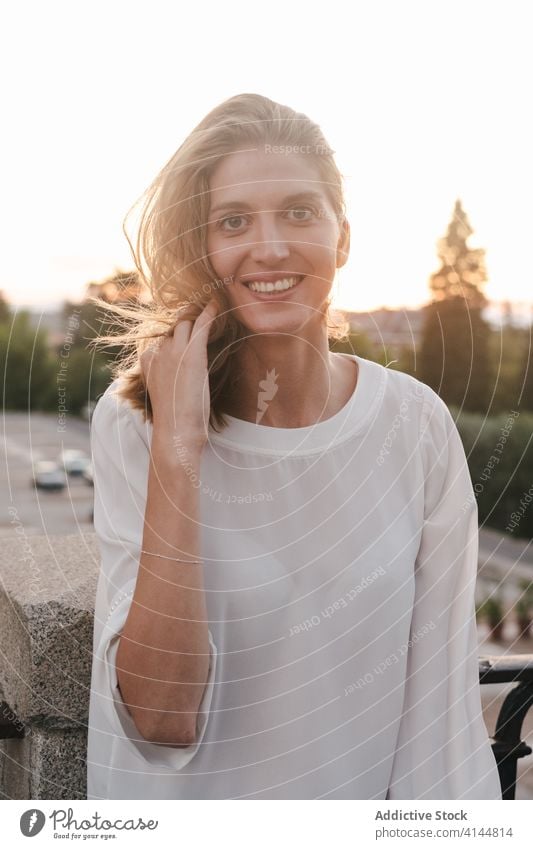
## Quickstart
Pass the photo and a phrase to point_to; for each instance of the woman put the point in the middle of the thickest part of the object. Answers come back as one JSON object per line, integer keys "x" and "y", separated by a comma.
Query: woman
{"x": 288, "y": 536}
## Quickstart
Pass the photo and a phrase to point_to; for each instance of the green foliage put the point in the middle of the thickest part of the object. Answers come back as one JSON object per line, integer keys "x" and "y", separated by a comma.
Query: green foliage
{"x": 524, "y": 605}
{"x": 406, "y": 361}
{"x": 26, "y": 363}
{"x": 354, "y": 343}
{"x": 525, "y": 385}
{"x": 85, "y": 373}
{"x": 86, "y": 321}
{"x": 499, "y": 451}
{"x": 83, "y": 377}
{"x": 454, "y": 357}
{"x": 5, "y": 312}
{"x": 38, "y": 376}
{"x": 491, "y": 611}
{"x": 508, "y": 352}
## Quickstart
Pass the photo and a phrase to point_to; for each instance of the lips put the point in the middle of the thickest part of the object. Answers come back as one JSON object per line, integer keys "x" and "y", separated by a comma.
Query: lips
{"x": 269, "y": 276}
{"x": 273, "y": 295}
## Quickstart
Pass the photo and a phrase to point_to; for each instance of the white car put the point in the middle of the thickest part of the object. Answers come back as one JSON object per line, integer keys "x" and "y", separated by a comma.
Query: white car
{"x": 74, "y": 461}
{"x": 48, "y": 475}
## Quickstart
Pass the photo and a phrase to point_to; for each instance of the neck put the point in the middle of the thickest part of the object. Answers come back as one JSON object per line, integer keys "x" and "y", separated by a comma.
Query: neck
{"x": 285, "y": 381}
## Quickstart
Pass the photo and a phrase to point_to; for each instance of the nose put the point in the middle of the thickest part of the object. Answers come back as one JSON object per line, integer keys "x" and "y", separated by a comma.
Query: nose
{"x": 270, "y": 244}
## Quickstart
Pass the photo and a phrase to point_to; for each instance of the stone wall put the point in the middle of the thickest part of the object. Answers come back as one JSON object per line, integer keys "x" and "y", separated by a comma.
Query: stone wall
{"x": 47, "y": 593}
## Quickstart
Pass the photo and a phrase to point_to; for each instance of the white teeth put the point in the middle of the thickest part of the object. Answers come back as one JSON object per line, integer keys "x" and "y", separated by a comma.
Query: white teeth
{"x": 278, "y": 286}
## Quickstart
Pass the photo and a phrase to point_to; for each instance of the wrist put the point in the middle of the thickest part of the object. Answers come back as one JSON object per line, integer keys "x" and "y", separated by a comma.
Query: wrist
{"x": 175, "y": 448}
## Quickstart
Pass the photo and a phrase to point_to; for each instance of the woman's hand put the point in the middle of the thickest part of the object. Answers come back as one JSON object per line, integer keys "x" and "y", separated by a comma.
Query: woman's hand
{"x": 176, "y": 377}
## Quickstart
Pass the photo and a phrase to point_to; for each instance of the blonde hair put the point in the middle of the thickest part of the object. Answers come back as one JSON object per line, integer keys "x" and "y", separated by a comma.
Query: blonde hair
{"x": 170, "y": 253}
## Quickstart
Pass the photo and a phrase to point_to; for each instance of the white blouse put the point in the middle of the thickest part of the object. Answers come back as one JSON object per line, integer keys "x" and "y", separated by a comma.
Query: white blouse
{"x": 339, "y": 562}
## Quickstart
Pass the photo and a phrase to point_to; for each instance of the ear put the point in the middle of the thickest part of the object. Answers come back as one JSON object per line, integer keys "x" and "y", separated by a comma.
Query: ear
{"x": 343, "y": 245}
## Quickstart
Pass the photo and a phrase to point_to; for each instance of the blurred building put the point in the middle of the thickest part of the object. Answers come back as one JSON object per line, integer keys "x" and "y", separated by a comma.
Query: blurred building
{"x": 389, "y": 328}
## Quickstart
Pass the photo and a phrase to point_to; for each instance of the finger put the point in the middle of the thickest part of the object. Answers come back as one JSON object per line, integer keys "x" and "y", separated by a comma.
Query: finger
{"x": 182, "y": 331}
{"x": 204, "y": 321}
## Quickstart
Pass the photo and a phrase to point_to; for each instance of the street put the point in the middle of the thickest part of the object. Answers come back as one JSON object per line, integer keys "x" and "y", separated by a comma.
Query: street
{"x": 27, "y": 439}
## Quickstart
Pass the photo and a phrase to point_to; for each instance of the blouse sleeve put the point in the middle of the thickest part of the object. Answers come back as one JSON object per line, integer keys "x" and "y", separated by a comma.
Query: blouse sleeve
{"x": 121, "y": 458}
{"x": 443, "y": 750}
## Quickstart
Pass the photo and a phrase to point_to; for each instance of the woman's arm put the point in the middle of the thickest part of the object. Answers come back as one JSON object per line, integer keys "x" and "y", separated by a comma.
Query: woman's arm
{"x": 443, "y": 749}
{"x": 163, "y": 654}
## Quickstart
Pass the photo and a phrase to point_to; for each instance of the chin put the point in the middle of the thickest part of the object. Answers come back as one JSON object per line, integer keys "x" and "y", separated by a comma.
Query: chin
{"x": 287, "y": 319}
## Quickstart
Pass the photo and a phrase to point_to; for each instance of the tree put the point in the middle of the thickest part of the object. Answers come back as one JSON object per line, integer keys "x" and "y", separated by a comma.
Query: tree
{"x": 85, "y": 321}
{"x": 86, "y": 372}
{"x": 508, "y": 345}
{"x": 122, "y": 287}
{"x": 526, "y": 374}
{"x": 454, "y": 353}
{"x": 5, "y": 312}
{"x": 28, "y": 370}
{"x": 84, "y": 376}
{"x": 462, "y": 271}
{"x": 354, "y": 343}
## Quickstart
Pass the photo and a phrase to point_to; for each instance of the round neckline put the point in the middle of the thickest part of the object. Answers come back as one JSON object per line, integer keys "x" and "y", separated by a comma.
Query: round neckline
{"x": 250, "y": 437}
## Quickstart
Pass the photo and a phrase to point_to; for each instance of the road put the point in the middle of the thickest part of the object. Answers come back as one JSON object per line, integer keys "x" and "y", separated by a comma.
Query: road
{"x": 26, "y": 439}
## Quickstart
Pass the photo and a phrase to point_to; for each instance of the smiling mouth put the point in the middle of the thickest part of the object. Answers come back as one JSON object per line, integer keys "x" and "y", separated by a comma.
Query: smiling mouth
{"x": 273, "y": 290}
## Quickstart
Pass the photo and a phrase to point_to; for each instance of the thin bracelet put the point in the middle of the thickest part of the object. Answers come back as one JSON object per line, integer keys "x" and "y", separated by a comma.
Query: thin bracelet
{"x": 166, "y": 557}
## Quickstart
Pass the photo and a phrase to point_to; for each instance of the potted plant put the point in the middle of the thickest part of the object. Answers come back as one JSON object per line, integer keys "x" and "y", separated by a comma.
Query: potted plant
{"x": 492, "y": 612}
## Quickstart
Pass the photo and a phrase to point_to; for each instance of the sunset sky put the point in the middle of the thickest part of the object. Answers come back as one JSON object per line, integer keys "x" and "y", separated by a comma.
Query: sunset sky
{"x": 423, "y": 102}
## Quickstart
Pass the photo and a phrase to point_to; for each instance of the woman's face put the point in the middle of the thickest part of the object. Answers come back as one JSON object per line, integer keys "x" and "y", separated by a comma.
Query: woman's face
{"x": 270, "y": 219}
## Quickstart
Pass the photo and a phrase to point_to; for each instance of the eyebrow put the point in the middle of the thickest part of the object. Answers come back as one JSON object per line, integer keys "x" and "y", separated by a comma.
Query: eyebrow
{"x": 240, "y": 204}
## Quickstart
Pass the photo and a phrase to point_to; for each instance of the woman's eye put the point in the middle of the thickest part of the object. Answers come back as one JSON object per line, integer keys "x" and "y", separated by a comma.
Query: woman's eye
{"x": 302, "y": 209}
{"x": 231, "y": 219}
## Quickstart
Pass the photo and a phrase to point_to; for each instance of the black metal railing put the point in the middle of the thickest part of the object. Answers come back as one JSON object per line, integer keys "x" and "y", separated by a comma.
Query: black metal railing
{"x": 507, "y": 744}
